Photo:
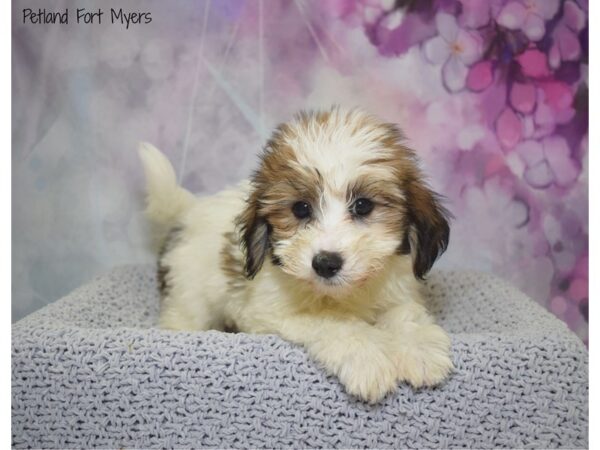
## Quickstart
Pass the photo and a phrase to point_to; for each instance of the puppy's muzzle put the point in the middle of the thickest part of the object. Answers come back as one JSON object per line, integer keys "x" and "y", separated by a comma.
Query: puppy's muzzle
{"x": 327, "y": 264}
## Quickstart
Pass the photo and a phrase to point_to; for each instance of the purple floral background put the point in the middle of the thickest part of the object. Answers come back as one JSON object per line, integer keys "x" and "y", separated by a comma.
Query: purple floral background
{"x": 492, "y": 94}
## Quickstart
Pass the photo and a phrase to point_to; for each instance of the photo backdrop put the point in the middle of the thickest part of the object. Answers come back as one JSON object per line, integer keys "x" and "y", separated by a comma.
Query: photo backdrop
{"x": 491, "y": 94}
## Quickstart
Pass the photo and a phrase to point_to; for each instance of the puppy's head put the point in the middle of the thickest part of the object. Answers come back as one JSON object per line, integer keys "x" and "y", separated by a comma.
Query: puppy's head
{"x": 337, "y": 196}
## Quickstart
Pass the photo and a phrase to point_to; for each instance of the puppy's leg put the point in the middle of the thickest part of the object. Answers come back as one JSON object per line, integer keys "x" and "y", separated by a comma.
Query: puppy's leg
{"x": 180, "y": 316}
{"x": 359, "y": 354}
{"x": 422, "y": 348}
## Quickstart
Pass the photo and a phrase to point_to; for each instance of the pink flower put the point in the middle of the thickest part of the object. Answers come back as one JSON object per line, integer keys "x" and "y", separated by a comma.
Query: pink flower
{"x": 456, "y": 48}
{"x": 547, "y": 162}
{"x": 528, "y": 16}
{"x": 533, "y": 63}
{"x": 565, "y": 37}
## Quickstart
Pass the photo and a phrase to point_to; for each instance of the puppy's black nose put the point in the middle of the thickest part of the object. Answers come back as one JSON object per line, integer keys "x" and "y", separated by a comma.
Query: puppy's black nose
{"x": 327, "y": 264}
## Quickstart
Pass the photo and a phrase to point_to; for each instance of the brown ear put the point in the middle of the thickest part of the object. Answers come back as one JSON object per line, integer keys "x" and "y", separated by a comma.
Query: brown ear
{"x": 254, "y": 231}
{"x": 427, "y": 230}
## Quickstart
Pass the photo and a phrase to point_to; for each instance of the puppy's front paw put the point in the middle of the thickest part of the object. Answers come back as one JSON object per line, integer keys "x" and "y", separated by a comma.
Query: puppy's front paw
{"x": 368, "y": 374}
{"x": 423, "y": 356}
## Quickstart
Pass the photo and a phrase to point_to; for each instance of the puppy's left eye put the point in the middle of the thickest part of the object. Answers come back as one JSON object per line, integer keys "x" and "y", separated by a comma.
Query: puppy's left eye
{"x": 301, "y": 210}
{"x": 362, "y": 207}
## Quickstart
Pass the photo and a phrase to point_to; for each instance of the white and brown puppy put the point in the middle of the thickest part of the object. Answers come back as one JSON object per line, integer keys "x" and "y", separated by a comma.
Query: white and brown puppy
{"x": 323, "y": 247}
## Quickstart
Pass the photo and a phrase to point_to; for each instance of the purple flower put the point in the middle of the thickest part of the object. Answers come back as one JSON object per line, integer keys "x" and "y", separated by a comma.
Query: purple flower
{"x": 546, "y": 162}
{"x": 565, "y": 37}
{"x": 528, "y": 16}
{"x": 456, "y": 48}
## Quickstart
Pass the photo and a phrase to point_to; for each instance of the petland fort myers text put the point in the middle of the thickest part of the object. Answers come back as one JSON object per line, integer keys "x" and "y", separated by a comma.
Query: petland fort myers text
{"x": 86, "y": 16}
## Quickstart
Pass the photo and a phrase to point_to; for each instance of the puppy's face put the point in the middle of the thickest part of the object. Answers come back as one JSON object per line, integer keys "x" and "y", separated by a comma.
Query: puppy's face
{"x": 336, "y": 196}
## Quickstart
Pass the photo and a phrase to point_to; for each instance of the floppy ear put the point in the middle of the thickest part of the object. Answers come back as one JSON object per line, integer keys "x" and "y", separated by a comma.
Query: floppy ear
{"x": 254, "y": 231}
{"x": 427, "y": 231}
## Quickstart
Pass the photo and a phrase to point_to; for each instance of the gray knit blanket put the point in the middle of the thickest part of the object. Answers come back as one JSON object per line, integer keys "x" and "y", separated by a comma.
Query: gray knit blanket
{"x": 92, "y": 370}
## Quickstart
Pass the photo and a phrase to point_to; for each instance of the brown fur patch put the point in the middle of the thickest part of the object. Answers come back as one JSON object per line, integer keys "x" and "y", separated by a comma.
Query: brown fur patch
{"x": 420, "y": 210}
{"x": 163, "y": 269}
{"x": 232, "y": 263}
{"x": 279, "y": 182}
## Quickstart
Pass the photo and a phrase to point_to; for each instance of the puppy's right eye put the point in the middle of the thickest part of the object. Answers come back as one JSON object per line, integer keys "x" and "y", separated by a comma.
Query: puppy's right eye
{"x": 301, "y": 210}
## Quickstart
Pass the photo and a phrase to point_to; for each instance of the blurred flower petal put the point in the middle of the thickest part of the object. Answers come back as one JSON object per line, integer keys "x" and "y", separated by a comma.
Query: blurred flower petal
{"x": 543, "y": 115}
{"x": 534, "y": 27}
{"x": 340, "y": 8}
{"x": 531, "y": 152}
{"x": 539, "y": 176}
{"x": 554, "y": 56}
{"x": 447, "y": 26}
{"x": 545, "y": 8}
{"x": 512, "y": 16}
{"x": 551, "y": 227}
{"x": 573, "y": 16}
{"x": 558, "y": 305}
{"x": 533, "y": 63}
{"x": 568, "y": 44}
{"x": 518, "y": 210}
{"x": 371, "y": 14}
{"x": 515, "y": 164}
{"x": 475, "y": 13}
{"x": 393, "y": 20}
{"x": 480, "y": 76}
{"x": 508, "y": 128}
{"x": 565, "y": 115}
{"x": 469, "y": 136}
{"x": 436, "y": 50}
{"x": 522, "y": 97}
{"x": 566, "y": 172}
{"x": 470, "y": 46}
{"x": 558, "y": 155}
{"x": 454, "y": 74}
{"x": 528, "y": 126}
{"x": 387, "y": 5}
{"x": 578, "y": 289}
{"x": 557, "y": 95}
{"x": 581, "y": 268}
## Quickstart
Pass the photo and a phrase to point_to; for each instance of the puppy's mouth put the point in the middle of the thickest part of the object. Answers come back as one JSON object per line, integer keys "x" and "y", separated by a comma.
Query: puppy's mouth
{"x": 334, "y": 282}
{"x": 336, "y": 286}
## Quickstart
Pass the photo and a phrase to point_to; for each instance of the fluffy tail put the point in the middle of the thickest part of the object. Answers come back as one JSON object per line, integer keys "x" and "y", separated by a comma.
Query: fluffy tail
{"x": 165, "y": 199}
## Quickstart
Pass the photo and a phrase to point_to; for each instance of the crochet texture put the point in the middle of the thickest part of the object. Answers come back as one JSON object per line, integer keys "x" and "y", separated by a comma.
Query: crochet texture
{"x": 92, "y": 370}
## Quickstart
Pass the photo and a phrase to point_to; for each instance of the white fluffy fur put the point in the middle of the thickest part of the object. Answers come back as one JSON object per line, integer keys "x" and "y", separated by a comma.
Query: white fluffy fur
{"x": 370, "y": 331}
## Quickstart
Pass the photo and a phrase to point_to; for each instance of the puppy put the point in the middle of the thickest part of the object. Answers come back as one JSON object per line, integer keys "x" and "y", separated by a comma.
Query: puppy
{"x": 324, "y": 246}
